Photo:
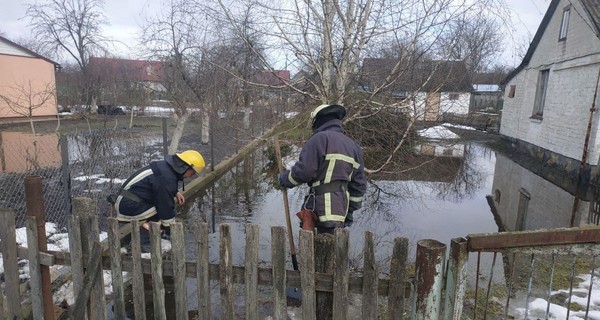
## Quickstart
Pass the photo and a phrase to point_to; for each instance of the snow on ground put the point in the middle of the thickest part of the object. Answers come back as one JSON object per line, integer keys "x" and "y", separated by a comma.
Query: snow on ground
{"x": 580, "y": 294}
{"x": 438, "y": 132}
{"x": 99, "y": 179}
{"x": 58, "y": 240}
{"x": 458, "y": 126}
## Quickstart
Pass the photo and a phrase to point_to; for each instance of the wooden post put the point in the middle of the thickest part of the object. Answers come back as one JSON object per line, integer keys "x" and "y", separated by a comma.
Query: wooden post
{"x": 139, "y": 299}
{"x": 158, "y": 284}
{"x": 97, "y": 296}
{"x": 397, "y": 279}
{"x": 307, "y": 274}
{"x": 11, "y": 267}
{"x": 278, "y": 256}
{"x": 340, "y": 275}
{"x": 251, "y": 271}
{"x": 115, "y": 267}
{"x": 179, "y": 272}
{"x": 202, "y": 274}
{"x": 93, "y": 268}
{"x": 226, "y": 272}
{"x": 34, "y": 269}
{"x": 324, "y": 256}
{"x": 34, "y": 196}
{"x": 76, "y": 249}
{"x": 370, "y": 279}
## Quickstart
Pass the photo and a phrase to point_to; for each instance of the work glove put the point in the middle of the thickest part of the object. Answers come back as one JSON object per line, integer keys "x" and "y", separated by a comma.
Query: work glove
{"x": 166, "y": 232}
{"x": 282, "y": 177}
{"x": 349, "y": 219}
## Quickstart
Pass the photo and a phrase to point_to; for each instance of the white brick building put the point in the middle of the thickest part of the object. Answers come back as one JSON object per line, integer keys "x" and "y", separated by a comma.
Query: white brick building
{"x": 548, "y": 97}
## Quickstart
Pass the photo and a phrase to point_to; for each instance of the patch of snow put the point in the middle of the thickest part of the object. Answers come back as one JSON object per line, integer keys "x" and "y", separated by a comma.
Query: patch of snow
{"x": 438, "y": 132}
{"x": 458, "y": 126}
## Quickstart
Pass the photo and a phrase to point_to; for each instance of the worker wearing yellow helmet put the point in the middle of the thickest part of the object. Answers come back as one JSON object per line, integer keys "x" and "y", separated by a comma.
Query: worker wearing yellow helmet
{"x": 152, "y": 192}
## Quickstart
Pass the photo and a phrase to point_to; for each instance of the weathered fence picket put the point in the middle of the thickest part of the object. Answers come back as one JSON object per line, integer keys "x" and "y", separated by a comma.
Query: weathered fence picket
{"x": 307, "y": 275}
{"x": 341, "y": 273}
{"x": 158, "y": 284}
{"x": 370, "y": 279}
{"x": 226, "y": 272}
{"x": 323, "y": 277}
{"x": 115, "y": 268}
{"x": 278, "y": 237}
{"x": 251, "y": 271}
{"x": 11, "y": 267}
{"x": 202, "y": 272}
{"x": 35, "y": 273}
{"x": 178, "y": 255}
{"x": 137, "y": 281}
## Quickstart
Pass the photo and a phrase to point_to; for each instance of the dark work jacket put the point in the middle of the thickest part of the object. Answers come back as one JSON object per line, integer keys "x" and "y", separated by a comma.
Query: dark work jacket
{"x": 156, "y": 185}
{"x": 329, "y": 155}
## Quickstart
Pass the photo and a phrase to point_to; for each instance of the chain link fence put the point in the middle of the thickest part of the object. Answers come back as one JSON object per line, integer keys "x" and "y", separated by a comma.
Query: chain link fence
{"x": 94, "y": 163}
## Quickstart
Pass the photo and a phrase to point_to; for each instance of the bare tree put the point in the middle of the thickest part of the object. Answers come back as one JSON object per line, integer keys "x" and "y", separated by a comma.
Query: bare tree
{"x": 477, "y": 40}
{"x": 176, "y": 37}
{"x": 25, "y": 98}
{"x": 328, "y": 43}
{"x": 71, "y": 28}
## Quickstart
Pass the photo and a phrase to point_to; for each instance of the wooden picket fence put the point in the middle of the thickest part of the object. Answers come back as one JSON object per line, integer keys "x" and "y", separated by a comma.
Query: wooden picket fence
{"x": 88, "y": 256}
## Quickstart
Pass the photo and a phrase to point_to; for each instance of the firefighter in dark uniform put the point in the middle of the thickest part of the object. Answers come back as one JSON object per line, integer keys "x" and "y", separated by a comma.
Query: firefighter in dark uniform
{"x": 332, "y": 165}
{"x": 151, "y": 193}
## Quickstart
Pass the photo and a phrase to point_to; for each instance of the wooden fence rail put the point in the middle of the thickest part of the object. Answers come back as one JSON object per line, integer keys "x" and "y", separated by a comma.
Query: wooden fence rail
{"x": 436, "y": 291}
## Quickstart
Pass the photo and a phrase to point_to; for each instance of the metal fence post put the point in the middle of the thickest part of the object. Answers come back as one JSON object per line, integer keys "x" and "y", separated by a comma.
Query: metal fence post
{"x": 431, "y": 256}
{"x": 34, "y": 196}
{"x": 165, "y": 137}
{"x": 65, "y": 172}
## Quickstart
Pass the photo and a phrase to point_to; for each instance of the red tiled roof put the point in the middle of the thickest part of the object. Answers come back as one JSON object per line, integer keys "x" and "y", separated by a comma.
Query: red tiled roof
{"x": 272, "y": 78}
{"x": 125, "y": 69}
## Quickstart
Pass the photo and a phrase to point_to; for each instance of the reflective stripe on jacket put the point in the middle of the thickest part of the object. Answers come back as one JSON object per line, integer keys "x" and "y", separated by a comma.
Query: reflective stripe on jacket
{"x": 156, "y": 186}
{"x": 329, "y": 155}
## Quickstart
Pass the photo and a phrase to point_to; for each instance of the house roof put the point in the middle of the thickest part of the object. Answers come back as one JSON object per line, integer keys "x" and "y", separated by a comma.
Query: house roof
{"x": 430, "y": 75}
{"x": 126, "y": 69}
{"x": 36, "y": 55}
{"x": 591, "y": 7}
{"x": 272, "y": 78}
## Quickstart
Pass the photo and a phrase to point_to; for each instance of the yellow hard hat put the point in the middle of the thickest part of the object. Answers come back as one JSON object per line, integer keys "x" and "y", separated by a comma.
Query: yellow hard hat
{"x": 193, "y": 159}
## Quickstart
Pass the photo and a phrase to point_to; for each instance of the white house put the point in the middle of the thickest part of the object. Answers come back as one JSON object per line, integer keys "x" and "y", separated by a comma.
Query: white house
{"x": 436, "y": 87}
{"x": 548, "y": 97}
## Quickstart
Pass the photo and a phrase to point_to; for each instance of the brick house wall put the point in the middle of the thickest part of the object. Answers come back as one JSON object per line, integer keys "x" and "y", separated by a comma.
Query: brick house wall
{"x": 573, "y": 66}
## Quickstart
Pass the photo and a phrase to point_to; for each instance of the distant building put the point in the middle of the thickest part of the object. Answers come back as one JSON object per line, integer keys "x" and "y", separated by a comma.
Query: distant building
{"x": 436, "y": 87}
{"x": 27, "y": 81}
{"x": 548, "y": 97}
{"x": 487, "y": 92}
{"x": 126, "y": 82}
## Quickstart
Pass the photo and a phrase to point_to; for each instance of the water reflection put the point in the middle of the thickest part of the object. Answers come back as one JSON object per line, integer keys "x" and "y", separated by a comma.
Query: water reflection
{"x": 442, "y": 198}
{"x": 528, "y": 201}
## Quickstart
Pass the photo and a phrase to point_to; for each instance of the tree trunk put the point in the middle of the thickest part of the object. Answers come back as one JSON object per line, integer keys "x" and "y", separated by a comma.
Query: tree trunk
{"x": 180, "y": 125}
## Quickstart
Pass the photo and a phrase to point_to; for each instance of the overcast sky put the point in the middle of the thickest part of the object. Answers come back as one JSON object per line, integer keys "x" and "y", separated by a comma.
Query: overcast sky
{"x": 125, "y": 16}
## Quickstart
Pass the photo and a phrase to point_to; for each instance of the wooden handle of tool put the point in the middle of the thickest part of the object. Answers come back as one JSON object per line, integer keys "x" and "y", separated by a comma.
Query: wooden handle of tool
{"x": 286, "y": 204}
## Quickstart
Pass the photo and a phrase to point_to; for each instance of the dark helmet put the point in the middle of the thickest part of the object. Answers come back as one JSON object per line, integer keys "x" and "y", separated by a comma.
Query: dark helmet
{"x": 328, "y": 110}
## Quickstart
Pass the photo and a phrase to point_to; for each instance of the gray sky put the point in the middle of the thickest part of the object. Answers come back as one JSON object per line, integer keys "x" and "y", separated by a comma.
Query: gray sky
{"x": 125, "y": 16}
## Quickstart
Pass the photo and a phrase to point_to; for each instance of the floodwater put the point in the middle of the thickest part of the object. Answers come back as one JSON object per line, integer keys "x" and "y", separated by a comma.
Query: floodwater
{"x": 445, "y": 200}
{"x": 417, "y": 208}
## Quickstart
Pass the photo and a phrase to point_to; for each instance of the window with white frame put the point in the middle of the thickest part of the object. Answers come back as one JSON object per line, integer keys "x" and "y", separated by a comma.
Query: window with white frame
{"x": 540, "y": 93}
{"x": 564, "y": 25}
